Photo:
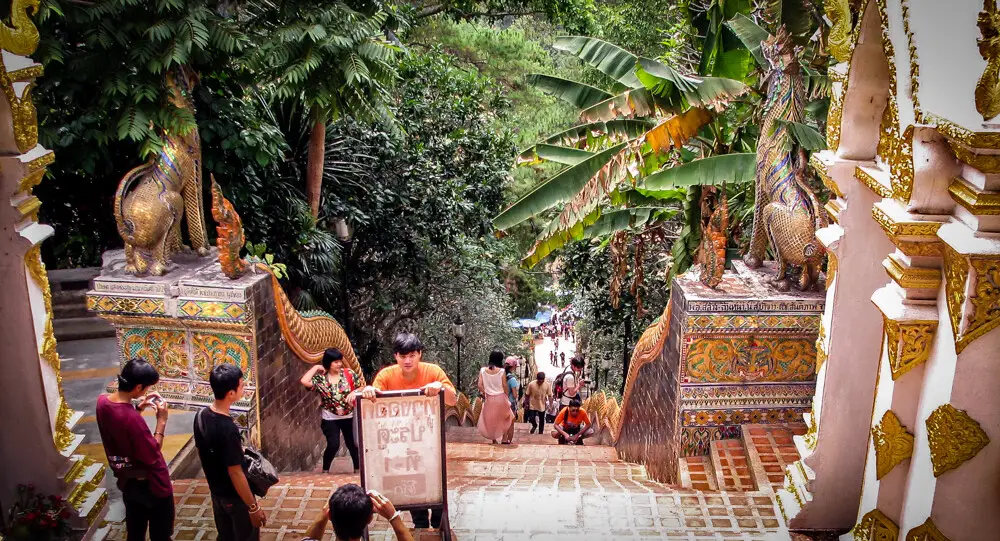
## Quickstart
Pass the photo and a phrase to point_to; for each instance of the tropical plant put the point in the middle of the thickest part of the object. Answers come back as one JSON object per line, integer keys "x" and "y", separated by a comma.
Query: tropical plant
{"x": 333, "y": 60}
{"x": 615, "y": 158}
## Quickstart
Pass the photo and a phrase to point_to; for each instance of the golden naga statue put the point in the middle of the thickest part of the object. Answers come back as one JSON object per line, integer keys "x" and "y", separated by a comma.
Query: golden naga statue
{"x": 309, "y": 334}
{"x": 152, "y": 198}
{"x": 787, "y": 213}
{"x": 230, "y": 234}
{"x": 714, "y": 238}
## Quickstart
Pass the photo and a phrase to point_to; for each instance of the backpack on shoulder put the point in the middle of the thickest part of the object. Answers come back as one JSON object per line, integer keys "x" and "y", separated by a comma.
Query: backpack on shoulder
{"x": 557, "y": 384}
{"x": 260, "y": 473}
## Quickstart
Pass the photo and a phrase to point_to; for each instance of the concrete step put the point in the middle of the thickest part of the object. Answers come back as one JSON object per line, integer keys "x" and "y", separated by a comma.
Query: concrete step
{"x": 696, "y": 473}
{"x": 67, "y": 279}
{"x": 771, "y": 449}
{"x": 70, "y": 303}
{"x": 732, "y": 468}
{"x": 82, "y": 328}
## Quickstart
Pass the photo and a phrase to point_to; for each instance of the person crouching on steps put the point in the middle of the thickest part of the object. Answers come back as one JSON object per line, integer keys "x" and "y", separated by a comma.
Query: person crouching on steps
{"x": 134, "y": 454}
{"x": 337, "y": 388}
{"x": 572, "y": 424}
{"x": 238, "y": 516}
{"x": 351, "y": 510}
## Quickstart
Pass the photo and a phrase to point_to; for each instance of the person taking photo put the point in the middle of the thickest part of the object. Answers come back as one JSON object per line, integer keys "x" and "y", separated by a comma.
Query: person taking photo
{"x": 134, "y": 454}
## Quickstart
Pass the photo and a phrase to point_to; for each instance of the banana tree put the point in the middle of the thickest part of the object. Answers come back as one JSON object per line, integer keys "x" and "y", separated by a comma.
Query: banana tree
{"x": 628, "y": 134}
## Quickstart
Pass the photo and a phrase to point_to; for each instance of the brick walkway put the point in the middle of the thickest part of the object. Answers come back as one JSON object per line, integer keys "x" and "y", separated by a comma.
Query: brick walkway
{"x": 536, "y": 492}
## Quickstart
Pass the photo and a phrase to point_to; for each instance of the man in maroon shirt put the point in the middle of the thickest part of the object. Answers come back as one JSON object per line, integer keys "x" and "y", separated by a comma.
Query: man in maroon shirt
{"x": 134, "y": 454}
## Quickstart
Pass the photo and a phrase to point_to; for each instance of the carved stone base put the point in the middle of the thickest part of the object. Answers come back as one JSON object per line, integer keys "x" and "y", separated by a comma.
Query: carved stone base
{"x": 194, "y": 318}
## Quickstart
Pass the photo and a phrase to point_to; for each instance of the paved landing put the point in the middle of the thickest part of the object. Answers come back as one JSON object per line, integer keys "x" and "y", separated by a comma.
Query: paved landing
{"x": 531, "y": 492}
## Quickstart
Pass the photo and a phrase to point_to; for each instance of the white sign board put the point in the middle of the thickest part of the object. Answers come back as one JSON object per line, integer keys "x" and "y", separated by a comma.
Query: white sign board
{"x": 401, "y": 446}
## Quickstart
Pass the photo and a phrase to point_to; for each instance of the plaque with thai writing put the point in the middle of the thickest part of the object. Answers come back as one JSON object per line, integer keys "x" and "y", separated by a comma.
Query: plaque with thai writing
{"x": 402, "y": 446}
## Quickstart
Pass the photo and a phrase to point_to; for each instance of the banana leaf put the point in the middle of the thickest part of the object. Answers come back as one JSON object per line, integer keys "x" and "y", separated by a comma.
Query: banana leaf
{"x": 562, "y": 187}
{"x": 576, "y": 94}
{"x": 563, "y": 155}
{"x": 596, "y": 224}
{"x": 711, "y": 171}
{"x": 610, "y": 59}
{"x": 620, "y": 129}
{"x": 751, "y": 34}
{"x": 672, "y": 85}
{"x": 638, "y": 102}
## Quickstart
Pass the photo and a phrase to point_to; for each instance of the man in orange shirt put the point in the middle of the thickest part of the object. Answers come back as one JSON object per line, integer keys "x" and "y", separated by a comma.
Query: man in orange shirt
{"x": 572, "y": 424}
{"x": 410, "y": 372}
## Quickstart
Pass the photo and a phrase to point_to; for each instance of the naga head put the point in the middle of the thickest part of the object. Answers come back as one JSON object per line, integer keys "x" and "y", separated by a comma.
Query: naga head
{"x": 181, "y": 82}
{"x": 779, "y": 51}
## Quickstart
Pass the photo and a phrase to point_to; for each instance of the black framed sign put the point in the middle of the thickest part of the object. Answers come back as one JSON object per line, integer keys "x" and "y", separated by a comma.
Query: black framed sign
{"x": 402, "y": 449}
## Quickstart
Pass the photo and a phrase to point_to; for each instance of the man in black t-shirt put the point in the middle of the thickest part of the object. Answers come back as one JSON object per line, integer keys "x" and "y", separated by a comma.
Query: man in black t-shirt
{"x": 238, "y": 516}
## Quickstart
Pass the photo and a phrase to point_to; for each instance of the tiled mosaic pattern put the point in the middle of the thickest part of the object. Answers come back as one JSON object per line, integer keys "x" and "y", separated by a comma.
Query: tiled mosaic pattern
{"x": 536, "y": 492}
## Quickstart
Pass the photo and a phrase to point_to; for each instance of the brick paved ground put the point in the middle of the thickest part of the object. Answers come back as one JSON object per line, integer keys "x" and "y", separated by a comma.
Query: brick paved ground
{"x": 536, "y": 492}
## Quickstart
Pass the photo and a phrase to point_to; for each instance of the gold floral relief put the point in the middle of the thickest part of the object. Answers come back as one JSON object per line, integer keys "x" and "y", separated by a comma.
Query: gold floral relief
{"x": 165, "y": 350}
{"x": 831, "y": 272}
{"x": 988, "y": 88}
{"x": 22, "y": 110}
{"x": 893, "y": 444}
{"x": 909, "y": 344}
{"x": 953, "y": 437}
{"x": 984, "y": 315}
{"x": 743, "y": 359}
{"x": 956, "y": 273}
{"x": 926, "y": 532}
{"x": 875, "y": 526}
{"x": 980, "y": 203}
{"x": 841, "y": 27}
{"x": 914, "y": 62}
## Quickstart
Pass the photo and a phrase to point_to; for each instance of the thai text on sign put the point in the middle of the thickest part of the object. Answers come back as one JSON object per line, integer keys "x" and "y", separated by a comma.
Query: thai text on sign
{"x": 402, "y": 449}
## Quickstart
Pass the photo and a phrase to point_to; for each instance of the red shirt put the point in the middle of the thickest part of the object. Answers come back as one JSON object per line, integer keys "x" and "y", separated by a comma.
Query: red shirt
{"x": 130, "y": 447}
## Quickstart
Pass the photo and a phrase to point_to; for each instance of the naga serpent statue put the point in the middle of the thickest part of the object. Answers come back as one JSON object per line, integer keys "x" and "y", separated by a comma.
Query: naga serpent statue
{"x": 787, "y": 213}
{"x": 152, "y": 198}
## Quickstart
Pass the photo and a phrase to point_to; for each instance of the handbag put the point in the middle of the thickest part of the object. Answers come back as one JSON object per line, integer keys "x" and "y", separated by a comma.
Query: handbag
{"x": 260, "y": 473}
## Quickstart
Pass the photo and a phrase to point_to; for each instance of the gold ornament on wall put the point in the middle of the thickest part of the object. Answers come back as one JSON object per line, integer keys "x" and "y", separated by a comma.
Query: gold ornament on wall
{"x": 908, "y": 344}
{"x": 841, "y": 28}
{"x": 988, "y": 87}
{"x": 954, "y": 437}
{"x": 875, "y": 526}
{"x": 926, "y": 532}
{"x": 893, "y": 444}
{"x": 22, "y": 37}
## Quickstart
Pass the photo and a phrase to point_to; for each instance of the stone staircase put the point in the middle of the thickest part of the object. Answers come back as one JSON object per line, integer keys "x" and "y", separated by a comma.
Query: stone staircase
{"x": 71, "y": 320}
{"x": 756, "y": 461}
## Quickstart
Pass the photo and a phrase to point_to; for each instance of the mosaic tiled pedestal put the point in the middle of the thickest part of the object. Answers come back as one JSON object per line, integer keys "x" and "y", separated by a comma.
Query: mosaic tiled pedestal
{"x": 194, "y": 318}
{"x": 744, "y": 353}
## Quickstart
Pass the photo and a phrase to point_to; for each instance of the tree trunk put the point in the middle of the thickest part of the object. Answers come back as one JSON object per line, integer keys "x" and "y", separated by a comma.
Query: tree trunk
{"x": 314, "y": 167}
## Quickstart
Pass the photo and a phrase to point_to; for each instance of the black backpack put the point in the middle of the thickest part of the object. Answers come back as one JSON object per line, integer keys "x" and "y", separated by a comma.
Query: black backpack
{"x": 557, "y": 384}
{"x": 260, "y": 473}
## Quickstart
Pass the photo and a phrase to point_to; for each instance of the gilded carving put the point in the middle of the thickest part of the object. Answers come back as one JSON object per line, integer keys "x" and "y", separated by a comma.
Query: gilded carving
{"x": 919, "y": 248}
{"x": 911, "y": 277}
{"x": 872, "y": 183}
{"x": 980, "y": 203}
{"x": 926, "y": 532}
{"x": 841, "y": 27}
{"x": 820, "y": 167}
{"x": 895, "y": 228}
{"x": 22, "y": 36}
{"x": 22, "y": 109}
{"x": 988, "y": 87}
{"x": 875, "y": 526}
{"x": 956, "y": 273}
{"x": 714, "y": 238}
{"x": 893, "y": 444}
{"x": 954, "y": 437}
{"x": 914, "y": 62}
{"x": 230, "y": 234}
{"x": 982, "y": 297}
{"x": 152, "y": 199}
{"x": 647, "y": 349}
{"x": 831, "y": 272}
{"x": 835, "y": 116}
{"x": 908, "y": 343}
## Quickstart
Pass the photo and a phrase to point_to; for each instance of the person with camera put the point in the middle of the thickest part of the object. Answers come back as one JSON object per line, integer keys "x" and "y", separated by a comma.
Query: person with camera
{"x": 351, "y": 510}
{"x": 238, "y": 515}
{"x": 134, "y": 454}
